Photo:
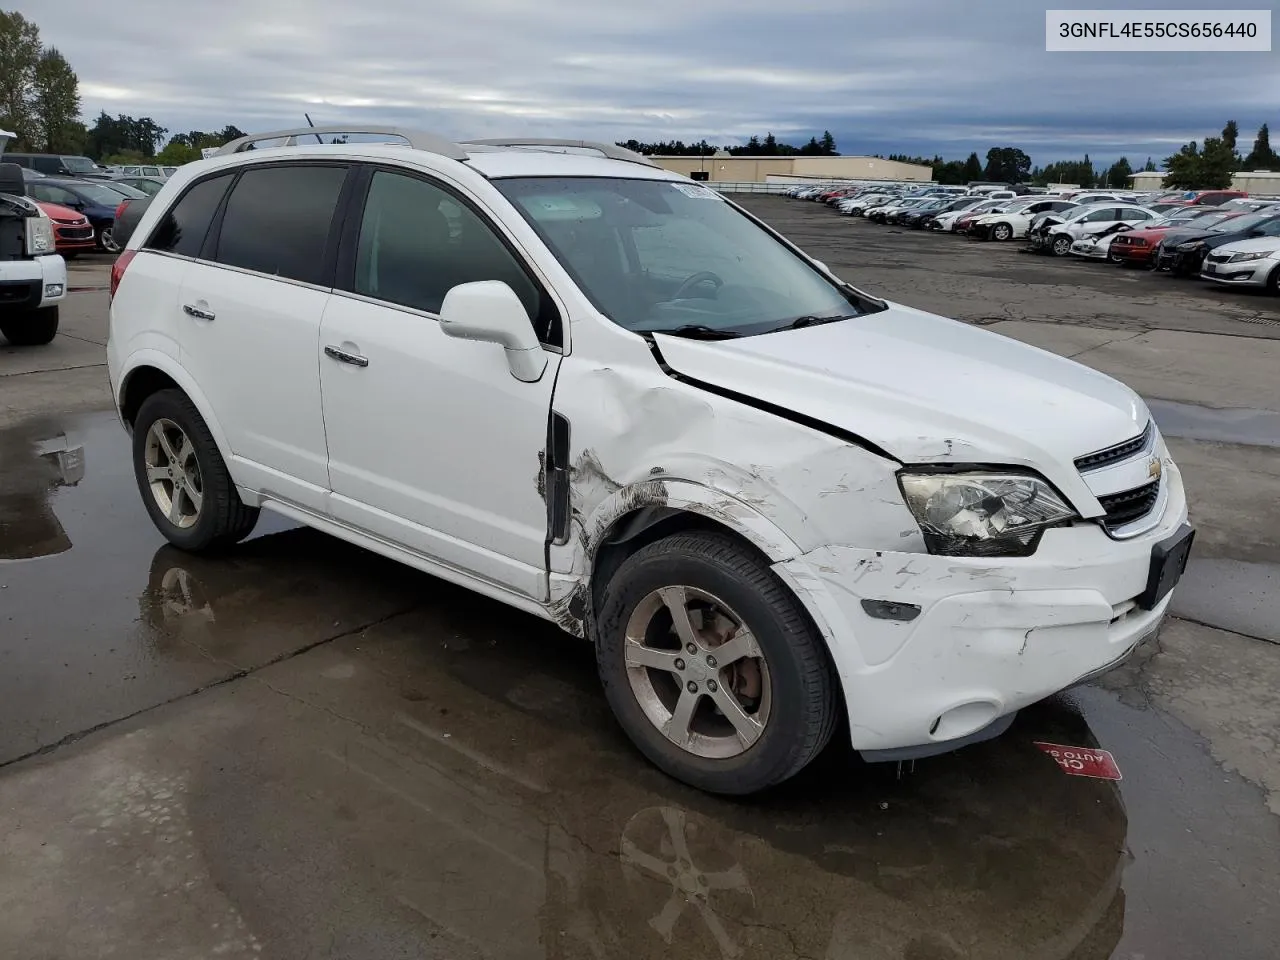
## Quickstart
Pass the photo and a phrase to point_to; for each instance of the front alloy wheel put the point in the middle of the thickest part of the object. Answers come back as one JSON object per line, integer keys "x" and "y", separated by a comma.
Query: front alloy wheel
{"x": 712, "y": 666}
{"x": 697, "y": 672}
{"x": 1061, "y": 245}
{"x": 1002, "y": 231}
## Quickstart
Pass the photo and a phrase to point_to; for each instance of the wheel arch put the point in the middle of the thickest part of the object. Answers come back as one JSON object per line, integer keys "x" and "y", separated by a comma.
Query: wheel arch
{"x": 150, "y": 371}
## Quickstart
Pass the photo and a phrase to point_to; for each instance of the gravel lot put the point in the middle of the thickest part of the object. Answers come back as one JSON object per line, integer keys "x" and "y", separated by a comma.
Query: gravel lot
{"x": 301, "y": 750}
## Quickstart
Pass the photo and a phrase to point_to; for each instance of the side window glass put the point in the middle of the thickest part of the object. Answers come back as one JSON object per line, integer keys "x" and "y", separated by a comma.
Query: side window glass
{"x": 182, "y": 229}
{"x": 278, "y": 220}
{"x": 417, "y": 242}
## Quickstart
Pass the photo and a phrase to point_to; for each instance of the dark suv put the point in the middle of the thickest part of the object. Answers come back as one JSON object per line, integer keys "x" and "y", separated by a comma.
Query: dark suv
{"x": 57, "y": 164}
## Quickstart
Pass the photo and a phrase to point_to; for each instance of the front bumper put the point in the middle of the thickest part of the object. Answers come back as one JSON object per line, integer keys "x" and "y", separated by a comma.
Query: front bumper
{"x": 32, "y": 283}
{"x": 1091, "y": 251}
{"x": 992, "y": 635}
{"x": 1133, "y": 254}
{"x": 1252, "y": 273}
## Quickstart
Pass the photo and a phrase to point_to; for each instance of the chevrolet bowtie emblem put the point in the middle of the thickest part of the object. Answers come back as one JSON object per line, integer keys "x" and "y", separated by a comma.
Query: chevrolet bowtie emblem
{"x": 1154, "y": 468}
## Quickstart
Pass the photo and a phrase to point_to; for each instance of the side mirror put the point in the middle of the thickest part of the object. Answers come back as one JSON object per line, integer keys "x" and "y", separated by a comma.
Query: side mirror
{"x": 490, "y": 311}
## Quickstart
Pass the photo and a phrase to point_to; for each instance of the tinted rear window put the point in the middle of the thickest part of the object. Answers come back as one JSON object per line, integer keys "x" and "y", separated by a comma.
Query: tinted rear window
{"x": 278, "y": 219}
{"x": 182, "y": 230}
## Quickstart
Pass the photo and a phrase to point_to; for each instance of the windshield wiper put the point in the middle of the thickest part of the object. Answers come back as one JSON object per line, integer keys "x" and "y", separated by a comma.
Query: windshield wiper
{"x": 809, "y": 321}
{"x": 694, "y": 331}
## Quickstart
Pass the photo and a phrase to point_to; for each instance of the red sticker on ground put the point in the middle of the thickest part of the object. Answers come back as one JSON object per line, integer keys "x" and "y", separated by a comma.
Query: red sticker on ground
{"x": 1083, "y": 761}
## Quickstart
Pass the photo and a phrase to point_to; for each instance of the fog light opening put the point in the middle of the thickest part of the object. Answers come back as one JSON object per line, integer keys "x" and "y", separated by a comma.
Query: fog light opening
{"x": 965, "y": 719}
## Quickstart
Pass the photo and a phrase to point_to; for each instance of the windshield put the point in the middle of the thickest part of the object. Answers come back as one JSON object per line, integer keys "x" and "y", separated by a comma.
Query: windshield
{"x": 93, "y": 193}
{"x": 125, "y": 190}
{"x": 659, "y": 255}
{"x": 1235, "y": 221}
{"x": 80, "y": 165}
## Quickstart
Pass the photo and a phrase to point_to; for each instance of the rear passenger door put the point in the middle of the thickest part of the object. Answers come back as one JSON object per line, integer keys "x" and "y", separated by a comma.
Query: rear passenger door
{"x": 433, "y": 444}
{"x": 251, "y": 309}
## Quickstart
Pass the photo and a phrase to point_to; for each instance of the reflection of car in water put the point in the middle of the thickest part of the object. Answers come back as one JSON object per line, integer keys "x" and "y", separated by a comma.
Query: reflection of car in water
{"x": 28, "y": 526}
{"x": 988, "y": 853}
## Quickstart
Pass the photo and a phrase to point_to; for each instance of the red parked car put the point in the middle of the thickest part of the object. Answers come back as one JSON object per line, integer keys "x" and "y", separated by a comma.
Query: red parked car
{"x": 1137, "y": 248}
{"x": 72, "y": 231}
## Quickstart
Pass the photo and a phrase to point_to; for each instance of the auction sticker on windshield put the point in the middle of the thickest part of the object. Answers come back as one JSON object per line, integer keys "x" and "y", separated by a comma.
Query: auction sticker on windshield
{"x": 1083, "y": 761}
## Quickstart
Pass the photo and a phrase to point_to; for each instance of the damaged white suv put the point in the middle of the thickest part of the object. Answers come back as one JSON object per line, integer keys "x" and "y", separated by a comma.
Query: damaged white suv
{"x": 602, "y": 393}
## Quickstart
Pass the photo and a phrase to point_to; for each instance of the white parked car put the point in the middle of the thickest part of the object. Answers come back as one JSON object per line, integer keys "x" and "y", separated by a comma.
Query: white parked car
{"x": 1245, "y": 263}
{"x": 1098, "y": 219}
{"x": 597, "y": 391}
{"x": 947, "y": 221}
{"x": 1011, "y": 222}
{"x": 857, "y": 206}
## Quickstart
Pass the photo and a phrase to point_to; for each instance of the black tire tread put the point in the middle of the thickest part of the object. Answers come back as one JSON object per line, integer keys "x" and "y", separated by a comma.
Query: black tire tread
{"x": 812, "y": 659}
{"x": 33, "y": 328}
{"x": 233, "y": 519}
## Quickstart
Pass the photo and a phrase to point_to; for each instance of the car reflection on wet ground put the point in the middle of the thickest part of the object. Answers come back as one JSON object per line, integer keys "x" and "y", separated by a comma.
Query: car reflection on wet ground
{"x": 381, "y": 765}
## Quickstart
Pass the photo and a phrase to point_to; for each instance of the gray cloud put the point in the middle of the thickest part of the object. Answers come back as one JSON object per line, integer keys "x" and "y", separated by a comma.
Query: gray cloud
{"x": 915, "y": 75}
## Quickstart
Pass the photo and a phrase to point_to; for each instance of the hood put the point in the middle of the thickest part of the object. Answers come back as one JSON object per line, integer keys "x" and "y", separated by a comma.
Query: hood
{"x": 1252, "y": 245}
{"x": 1187, "y": 235}
{"x": 926, "y": 389}
{"x": 58, "y": 212}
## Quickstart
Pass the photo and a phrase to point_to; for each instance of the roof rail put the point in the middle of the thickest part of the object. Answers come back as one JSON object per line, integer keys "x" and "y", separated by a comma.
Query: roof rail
{"x": 610, "y": 150}
{"x": 429, "y": 142}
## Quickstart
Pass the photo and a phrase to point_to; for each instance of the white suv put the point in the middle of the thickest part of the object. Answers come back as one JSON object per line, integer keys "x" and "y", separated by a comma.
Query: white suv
{"x": 608, "y": 396}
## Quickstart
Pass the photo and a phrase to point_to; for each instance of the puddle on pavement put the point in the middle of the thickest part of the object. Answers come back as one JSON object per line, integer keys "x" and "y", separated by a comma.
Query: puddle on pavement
{"x": 1231, "y": 425}
{"x": 93, "y": 602}
{"x": 453, "y": 772}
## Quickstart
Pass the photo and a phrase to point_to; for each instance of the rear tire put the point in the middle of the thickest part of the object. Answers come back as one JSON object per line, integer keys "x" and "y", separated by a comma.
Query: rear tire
{"x": 106, "y": 240}
{"x": 785, "y": 690}
{"x": 34, "y": 328}
{"x": 184, "y": 482}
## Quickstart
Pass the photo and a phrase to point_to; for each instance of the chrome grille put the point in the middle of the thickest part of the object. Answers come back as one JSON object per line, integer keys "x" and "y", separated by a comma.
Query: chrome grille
{"x": 1130, "y": 505}
{"x": 1121, "y": 451}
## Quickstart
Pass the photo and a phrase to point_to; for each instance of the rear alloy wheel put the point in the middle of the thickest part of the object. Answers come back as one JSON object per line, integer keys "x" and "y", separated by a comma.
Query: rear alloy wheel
{"x": 34, "y": 328}
{"x": 106, "y": 241}
{"x": 712, "y": 667}
{"x": 184, "y": 481}
{"x": 1060, "y": 245}
{"x": 1002, "y": 231}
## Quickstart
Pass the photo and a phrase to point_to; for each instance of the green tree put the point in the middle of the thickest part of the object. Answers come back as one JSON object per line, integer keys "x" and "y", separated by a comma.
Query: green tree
{"x": 1120, "y": 172}
{"x": 19, "y": 54}
{"x": 828, "y": 144}
{"x": 1193, "y": 168}
{"x": 1262, "y": 157}
{"x": 972, "y": 168}
{"x": 1149, "y": 166}
{"x": 175, "y": 154}
{"x": 1007, "y": 165}
{"x": 1230, "y": 133}
{"x": 113, "y": 135}
{"x": 56, "y": 100}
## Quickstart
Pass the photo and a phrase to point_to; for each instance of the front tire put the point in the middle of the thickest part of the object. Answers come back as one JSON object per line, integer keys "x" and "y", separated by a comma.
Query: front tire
{"x": 1002, "y": 231}
{"x": 34, "y": 328}
{"x": 184, "y": 482}
{"x": 712, "y": 667}
{"x": 1060, "y": 245}
{"x": 1273, "y": 283}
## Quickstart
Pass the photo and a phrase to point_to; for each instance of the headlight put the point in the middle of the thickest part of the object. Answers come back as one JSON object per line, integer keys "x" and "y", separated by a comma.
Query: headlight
{"x": 982, "y": 514}
{"x": 39, "y": 236}
{"x": 1245, "y": 257}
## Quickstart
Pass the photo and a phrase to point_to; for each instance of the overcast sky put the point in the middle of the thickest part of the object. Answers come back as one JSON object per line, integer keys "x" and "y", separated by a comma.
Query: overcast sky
{"x": 916, "y": 76}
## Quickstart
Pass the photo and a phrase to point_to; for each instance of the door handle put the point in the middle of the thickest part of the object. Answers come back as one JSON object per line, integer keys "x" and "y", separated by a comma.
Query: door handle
{"x": 194, "y": 311}
{"x": 343, "y": 357}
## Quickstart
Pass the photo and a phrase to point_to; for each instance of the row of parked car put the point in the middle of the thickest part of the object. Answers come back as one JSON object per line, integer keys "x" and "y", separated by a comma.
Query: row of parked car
{"x": 1224, "y": 236}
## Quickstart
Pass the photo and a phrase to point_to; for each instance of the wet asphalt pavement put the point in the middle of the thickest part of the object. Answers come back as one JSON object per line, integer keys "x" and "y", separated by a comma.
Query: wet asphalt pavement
{"x": 300, "y": 749}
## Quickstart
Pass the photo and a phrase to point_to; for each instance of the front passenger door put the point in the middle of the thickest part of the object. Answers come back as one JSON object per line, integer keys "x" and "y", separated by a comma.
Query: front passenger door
{"x": 433, "y": 444}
